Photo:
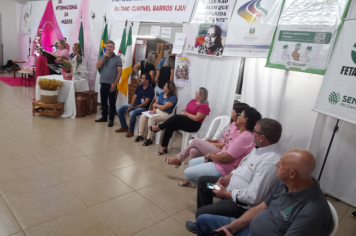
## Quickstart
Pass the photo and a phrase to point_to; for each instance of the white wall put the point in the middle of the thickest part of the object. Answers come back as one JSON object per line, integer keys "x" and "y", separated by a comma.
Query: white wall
{"x": 9, "y": 26}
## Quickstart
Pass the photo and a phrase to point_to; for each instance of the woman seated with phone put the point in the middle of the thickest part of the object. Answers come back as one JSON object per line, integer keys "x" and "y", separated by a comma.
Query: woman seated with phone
{"x": 163, "y": 106}
{"x": 221, "y": 163}
{"x": 198, "y": 147}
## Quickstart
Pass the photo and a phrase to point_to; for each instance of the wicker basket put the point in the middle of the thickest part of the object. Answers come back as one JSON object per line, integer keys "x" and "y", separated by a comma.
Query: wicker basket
{"x": 49, "y": 97}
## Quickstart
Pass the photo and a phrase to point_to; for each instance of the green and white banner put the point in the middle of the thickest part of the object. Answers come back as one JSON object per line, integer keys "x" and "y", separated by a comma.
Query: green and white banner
{"x": 337, "y": 96}
{"x": 251, "y": 28}
{"x": 306, "y": 34}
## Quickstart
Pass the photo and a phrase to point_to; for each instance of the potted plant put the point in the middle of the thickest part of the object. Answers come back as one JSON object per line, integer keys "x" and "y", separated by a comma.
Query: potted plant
{"x": 49, "y": 90}
{"x": 67, "y": 69}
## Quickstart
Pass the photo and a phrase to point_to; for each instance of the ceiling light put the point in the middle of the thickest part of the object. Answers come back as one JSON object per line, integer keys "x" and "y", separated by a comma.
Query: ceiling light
{"x": 146, "y": 36}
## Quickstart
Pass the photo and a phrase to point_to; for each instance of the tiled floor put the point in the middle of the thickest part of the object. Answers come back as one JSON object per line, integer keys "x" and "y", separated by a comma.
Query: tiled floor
{"x": 79, "y": 178}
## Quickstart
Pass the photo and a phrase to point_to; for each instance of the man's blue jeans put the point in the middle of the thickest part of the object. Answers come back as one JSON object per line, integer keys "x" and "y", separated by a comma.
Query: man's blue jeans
{"x": 121, "y": 113}
{"x": 207, "y": 223}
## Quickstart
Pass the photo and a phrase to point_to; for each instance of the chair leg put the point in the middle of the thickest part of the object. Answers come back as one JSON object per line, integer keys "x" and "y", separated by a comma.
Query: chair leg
{"x": 171, "y": 141}
{"x": 21, "y": 78}
{"x": 158, "y": 137}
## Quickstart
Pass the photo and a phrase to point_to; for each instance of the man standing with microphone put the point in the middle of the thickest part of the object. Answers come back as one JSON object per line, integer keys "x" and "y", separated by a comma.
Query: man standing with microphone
{"x": 111, "y": 69}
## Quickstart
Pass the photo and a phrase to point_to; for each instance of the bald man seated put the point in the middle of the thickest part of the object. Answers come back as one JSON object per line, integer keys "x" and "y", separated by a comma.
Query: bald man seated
{"x": 296, "y": 206}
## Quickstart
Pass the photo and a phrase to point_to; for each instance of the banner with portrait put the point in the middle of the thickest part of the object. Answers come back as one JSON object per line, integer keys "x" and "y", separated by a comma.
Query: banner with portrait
{"x": 181, "y": 71}
{"x": 305, "y": 35}
{"x": 337, "y": 95}
{"x": 251, "y": 28}
{"x": 177, "y": 11}
{"x": 26, "y": 17}
{"x": 208, "y": 28}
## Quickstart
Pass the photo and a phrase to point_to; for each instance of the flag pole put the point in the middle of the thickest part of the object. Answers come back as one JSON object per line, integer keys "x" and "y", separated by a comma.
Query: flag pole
{"x": 92, "y": 16}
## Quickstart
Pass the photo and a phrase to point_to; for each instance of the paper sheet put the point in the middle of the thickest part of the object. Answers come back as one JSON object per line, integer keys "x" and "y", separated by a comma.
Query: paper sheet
{"x": 147, "y": 114}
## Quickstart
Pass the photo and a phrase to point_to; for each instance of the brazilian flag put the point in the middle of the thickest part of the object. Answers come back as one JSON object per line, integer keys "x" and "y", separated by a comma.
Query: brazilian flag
{"x": 104, "y": 38}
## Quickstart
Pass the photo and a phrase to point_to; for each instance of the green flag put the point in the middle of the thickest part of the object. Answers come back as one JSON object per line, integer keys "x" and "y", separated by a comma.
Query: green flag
{"x": 81, "y": 38}
{"x": 122, "y": 48}
{"x": 104, "y": 38}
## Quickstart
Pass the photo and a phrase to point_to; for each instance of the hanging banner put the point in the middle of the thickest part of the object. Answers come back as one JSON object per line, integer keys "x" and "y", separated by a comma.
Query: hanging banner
{"x": 251, "y": 28}
{"x": 306, "y": 33}
{"x": 26, "y": 17}
{"x": 181, "y": 72}
{"x": 208, "y": 28}
{"x": 66, "y": 12}
{"x": 177, "y": 11}
{"x": 337, "y": 95}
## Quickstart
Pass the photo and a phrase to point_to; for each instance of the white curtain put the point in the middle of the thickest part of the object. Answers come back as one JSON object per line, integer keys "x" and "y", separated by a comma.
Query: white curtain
{"x": 339, "y": 175}
{"x": 219, "y": 76}
{"x": 286, "y": 96}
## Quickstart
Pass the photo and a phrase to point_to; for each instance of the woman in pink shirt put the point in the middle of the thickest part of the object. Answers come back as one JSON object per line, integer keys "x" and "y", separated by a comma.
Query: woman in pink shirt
{"x": 62, "y": 52}
{"x": 221, "y": 163}
{"x": 189, "y": 120}
{"x": 198, "y": 147}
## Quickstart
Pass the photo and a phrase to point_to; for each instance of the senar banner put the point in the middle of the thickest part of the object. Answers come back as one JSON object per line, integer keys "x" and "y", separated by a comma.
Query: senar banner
{"x": 305, "y": 35}
{"x": 337, "y": 95}
{"x": 177, "y": 11}
{"x": 251, "y": 28}
{"x": 208, "y": 28}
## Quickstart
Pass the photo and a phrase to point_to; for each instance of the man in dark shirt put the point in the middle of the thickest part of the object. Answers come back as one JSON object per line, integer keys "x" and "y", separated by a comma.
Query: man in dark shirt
{"x": 140, "y": 102}
{"x": 296, "y": 206}
{"x": 111, "y": 69}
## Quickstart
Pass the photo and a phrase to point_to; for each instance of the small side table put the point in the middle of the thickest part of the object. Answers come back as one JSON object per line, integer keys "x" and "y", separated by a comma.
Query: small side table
{"x": 55, "y": 109}
{"x": 26, "y": 73}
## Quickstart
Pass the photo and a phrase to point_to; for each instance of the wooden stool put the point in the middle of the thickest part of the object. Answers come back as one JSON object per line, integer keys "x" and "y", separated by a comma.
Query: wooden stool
{"x": 55, "y": 109}
{"x": 26, "y": 73}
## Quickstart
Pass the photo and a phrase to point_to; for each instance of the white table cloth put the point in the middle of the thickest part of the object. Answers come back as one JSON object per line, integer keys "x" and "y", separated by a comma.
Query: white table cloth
{"x": 66, "y": 93}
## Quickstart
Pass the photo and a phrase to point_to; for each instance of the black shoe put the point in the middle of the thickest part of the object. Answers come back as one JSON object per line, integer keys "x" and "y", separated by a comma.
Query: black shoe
{"x": 110, "y": 123}
{"x": 191, "y": 227}
{"x": 102, "y": 119}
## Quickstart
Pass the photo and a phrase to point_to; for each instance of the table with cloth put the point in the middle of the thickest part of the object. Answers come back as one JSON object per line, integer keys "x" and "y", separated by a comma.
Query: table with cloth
{"x": 66, "y": 93}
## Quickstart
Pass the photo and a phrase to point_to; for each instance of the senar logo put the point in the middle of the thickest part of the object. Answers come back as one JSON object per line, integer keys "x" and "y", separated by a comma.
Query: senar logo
{"x": 334, "y": 98}
{"x": 353, "y": 54}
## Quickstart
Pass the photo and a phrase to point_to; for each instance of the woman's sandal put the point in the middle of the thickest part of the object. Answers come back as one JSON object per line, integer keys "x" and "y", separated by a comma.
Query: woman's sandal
{"x": 166, "y": 159}
{"x": 150, "y": 127}
{"x": 147, "y": 142}
{"x": 138, "y": 139}
{"x": 186, "y": 185}
{"x": 161, "y": 153}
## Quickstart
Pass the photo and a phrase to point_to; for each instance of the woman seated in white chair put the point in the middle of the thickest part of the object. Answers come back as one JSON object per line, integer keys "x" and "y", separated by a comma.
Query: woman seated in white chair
{"x": 224, "y": 161}
{"x": 163, "y": 106}
{"x": 189, "y": 120}
{"x": 198, "y": 147}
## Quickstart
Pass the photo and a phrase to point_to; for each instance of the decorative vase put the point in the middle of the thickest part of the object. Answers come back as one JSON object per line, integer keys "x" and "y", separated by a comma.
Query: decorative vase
{"x": 67, "y": 75}
{"x": 81, "y": 104}
{"x": 49, "y": 97}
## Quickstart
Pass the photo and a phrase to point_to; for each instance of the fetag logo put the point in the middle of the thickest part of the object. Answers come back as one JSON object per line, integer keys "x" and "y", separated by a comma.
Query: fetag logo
{"x": 348, "y": 70}
{"x": 353, "y": 54}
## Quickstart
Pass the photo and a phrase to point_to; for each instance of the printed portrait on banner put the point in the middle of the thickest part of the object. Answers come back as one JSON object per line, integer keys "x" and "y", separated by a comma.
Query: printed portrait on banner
{"x": 208, "y": 29}
{"x": 181, "y": 72}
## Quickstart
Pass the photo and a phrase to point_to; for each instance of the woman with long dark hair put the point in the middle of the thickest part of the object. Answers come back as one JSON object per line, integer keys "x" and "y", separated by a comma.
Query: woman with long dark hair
{"x": 163, "y": 106}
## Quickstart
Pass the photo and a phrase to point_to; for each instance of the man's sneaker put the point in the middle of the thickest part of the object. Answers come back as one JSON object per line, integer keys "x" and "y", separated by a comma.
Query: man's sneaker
{"x": 191, "y": 227}
{"x": 353, "y": 214}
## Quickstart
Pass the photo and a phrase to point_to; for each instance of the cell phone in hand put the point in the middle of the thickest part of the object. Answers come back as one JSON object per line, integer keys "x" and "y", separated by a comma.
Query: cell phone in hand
{"x": 221, "y": 233}
{"x": 212, "y": 186}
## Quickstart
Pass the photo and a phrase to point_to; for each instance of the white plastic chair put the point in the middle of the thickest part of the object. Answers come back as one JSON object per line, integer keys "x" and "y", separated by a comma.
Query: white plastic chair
{"x": 335, "y": 219}
{"x": 138, "y": 120}
{"x": 224, "y": 122}
{"x": 158, "y": 134}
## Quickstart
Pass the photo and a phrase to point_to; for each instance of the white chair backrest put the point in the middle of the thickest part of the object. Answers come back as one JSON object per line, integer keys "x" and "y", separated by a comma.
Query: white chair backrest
{"x": 335, "y": 218}
{"x": 175, "y": 107}
{"x": 224, "y": 122}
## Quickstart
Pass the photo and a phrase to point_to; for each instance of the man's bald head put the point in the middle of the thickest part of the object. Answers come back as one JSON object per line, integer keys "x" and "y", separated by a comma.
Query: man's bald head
{"x": 296, "y": 164}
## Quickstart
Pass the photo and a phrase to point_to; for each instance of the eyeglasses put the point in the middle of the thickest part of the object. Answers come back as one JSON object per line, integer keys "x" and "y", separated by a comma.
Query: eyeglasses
{"x": 239, "y": 114}
{"x": 257, "y": 132}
